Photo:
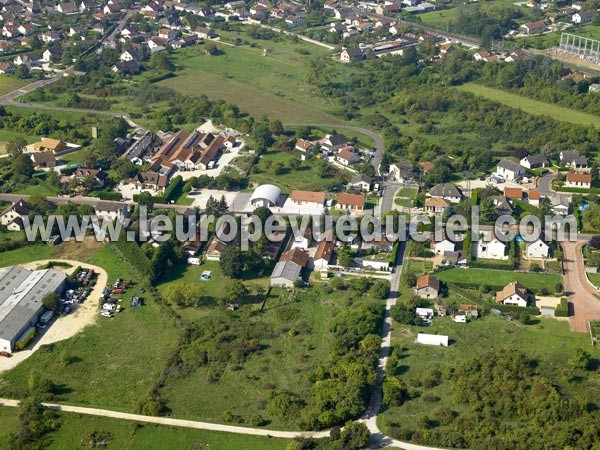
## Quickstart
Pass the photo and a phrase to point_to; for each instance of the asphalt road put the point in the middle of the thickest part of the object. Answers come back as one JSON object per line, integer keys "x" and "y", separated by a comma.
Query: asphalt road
{"x": 586, "y": 306}
{"x": 544, "y": 184}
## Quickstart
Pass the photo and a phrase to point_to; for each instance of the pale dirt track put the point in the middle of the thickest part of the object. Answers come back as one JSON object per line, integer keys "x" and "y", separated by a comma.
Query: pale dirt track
{"x": 67, "y": 326}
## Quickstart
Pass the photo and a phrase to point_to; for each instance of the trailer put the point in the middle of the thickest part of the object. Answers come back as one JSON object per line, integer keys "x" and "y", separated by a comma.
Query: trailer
{"x": 24, "y": 339}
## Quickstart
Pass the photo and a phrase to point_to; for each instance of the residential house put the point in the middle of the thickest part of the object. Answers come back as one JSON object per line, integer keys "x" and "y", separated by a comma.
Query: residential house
{"x": 12, "y": 218}
{"x": 537, "y": 249}
{"x": 52, "y": 54}
{"x": 447, "y": 191}
{"x": 50, "y": 145}
{"x": 351, "y": 54}
{"x": 215, "y": 249}
{"x": 295, "y": 255}
{"x": 560, "y": 205}
{"x": 324, "y": 254}
{"x": 583, "y": 17}
{"x": 513, "y": 294}
{"x": 126, "y": 67}
{"x": 351, "y": 202}
{"x": 98, "y": 177}
{"x": 360, "y": 183}
{"x": 111, "y": 211}
{"x": 304, "y": 146}
{"x": 490, "y": 247}
{"x": 534, "y": 161}
{"x": 468, "y": 310}
{"x": 43, "y": 159}
{"x": 50, "y": 36}
{"x": 533, "y": 28}
{"x": 308, "y": 198}
{"x": 111, "y": 9}
{"x": 456, "y": 258}
{"x": 533, "y": 197}
{"x": 579, "y": 180}
{"x": 150, "y": 181}
{"x": 401, "y": 172}
{"x": 204, "y": 33}
{"x": 348, "y": 157}
{"x": 509, "y": 170}
{"x": 513, "y": 193}
{"x": 68, "y": 8}
{"x": 443, "y": 246}
{"x": 128, "y": 55}
{"x": 502, "y": 205}
{"x": 571, "y": 158}
{"x": 333, "y": 143}
{"x": 436, "y": 206}
{"x": 427, "y": 287}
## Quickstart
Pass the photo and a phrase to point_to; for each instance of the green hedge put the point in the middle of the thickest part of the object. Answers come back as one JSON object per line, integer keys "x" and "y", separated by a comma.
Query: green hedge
{"x": 531, "y": 310}
{"x": 576, "y": 190}
{"x": 134, "y": 256}
{"x": 174, "y": 190}
{"x": 562, "y": 310}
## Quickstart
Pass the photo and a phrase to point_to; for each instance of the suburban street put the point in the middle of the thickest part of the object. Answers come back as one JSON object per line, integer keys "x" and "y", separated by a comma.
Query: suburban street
{"x": 544, "y": 184}
{"x": 586, "y": 306}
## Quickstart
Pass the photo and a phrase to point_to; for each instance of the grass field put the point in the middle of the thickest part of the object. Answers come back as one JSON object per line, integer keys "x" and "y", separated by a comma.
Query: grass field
{"x": 594, "y": 278}
{"x": 27, "y": 254}
{"x": 283, "y": 363}
{"x": 532, "y": 281}
{"x": 272, "y": 85}
{"x": 9, "y": 83}
{"x": 532, "y": 106}
{"x": 549, "y": 342}
{"x": 114, "y": 361}
{"x": 128, "y": 435}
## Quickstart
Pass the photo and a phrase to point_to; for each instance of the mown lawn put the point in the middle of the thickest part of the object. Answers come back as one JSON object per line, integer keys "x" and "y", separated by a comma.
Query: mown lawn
{"x": 27, "y": 254}
{"x": 128, "y": 435}
{"x": 114, "y": 361}
{"x": 272, "y": 85}
{"x": 549, "y": 342}
{"x": 532, "y": 106}
{"x": 534, "y": 281}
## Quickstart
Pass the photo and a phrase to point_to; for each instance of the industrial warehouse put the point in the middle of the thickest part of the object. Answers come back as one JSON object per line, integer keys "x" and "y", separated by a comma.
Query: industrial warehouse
{"x": 21, "y": 294}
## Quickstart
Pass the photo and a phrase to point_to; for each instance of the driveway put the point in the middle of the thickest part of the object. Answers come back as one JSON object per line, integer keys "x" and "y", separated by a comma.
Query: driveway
{"x": 586, "y": 306}
{"x": 67, "y": 326}
{"x": 545, "y": 184}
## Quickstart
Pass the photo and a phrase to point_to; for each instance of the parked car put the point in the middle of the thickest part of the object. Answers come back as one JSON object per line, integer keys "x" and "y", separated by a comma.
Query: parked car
{"x": 5, "y": 354}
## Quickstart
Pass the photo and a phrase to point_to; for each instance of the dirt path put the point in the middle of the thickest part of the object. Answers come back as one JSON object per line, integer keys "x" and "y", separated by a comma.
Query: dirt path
{"x": 67, "y": 326}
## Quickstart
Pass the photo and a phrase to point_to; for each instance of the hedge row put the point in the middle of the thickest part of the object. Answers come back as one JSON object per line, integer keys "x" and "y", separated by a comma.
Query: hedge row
{"x": 562, "y": 310}
{"x": 135, "y": 256}
{"x": 531, "y": 310}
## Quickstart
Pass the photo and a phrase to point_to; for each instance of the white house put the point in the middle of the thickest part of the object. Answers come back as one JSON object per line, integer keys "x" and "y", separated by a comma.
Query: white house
{"x": 323, "y": 254}
{"x": 534, "y": 161}
{"x": 12, "y": 218}
{"x": 537, "y": 249}
{"x": 447, "y": 191}
{"x": 308, "y": 198}
{"x": 445, "y": 245}
{"x": 509, "y": 170}
{"x": 513, "y": 294}
{"x": 579, "y": 180}
{"x": 490, "y": 247}
{"x": 111, "y": 211}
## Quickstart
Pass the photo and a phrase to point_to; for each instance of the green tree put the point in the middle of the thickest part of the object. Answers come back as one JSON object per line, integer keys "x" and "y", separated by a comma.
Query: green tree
{"x": 51, "y": 301}
{"x": 16, "y": 146}
{"x": 22, "y": 166}
{"x": 232, "y": 262}
{"x": 235, "y": 291}
{"x": 355, "y": 436}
